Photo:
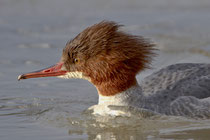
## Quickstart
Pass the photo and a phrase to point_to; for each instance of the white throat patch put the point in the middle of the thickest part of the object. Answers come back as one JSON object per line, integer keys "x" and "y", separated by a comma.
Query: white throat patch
{"x": 76, "y": 75}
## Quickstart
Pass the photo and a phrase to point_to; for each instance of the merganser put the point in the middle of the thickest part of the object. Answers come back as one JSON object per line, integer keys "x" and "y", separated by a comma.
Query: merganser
{"x": 110, "y": 59}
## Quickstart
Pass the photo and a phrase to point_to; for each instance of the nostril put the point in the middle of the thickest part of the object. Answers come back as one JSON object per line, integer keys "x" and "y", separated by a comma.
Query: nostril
{"x": 47, "y": 71}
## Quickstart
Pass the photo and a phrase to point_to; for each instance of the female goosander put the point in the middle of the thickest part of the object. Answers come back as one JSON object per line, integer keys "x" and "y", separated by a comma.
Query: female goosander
{"x": 110, "y": 59}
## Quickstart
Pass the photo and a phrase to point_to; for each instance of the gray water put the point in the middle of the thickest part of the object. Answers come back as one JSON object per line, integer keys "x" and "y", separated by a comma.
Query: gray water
{"x": 32, "y": 35}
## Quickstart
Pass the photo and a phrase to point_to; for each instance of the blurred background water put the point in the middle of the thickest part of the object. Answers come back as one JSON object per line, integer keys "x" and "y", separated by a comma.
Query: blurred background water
{"x": 33, "y": 34}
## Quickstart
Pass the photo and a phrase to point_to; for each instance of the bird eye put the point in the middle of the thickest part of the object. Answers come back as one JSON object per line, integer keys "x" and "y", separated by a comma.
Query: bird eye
{"x": 76, "y": 60}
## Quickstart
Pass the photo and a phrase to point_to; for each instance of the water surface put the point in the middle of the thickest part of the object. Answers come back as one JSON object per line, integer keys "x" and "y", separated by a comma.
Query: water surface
{"x": 33, "y": 34}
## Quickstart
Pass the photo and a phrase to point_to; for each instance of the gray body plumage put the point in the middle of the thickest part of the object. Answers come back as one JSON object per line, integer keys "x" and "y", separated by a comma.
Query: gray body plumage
{"x": 180, "y": 89}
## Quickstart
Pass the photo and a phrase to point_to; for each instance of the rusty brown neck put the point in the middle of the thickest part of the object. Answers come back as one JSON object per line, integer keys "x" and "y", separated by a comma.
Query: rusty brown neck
{"x": 115, "y": 85}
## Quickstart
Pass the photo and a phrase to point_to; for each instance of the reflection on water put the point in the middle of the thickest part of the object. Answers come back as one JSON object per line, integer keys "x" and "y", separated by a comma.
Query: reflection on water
{"x": 61, "y": 113}
{"x": 33, "y": 34}
{"x": 132, "y": 127}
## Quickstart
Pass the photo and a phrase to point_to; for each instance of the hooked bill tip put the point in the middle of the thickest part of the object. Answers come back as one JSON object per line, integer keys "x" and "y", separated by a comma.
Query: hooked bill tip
{"x": 20, "y": 77}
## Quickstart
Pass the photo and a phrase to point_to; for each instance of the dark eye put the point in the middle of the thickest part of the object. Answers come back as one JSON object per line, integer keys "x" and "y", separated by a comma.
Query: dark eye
{"x": 76, "y": 60}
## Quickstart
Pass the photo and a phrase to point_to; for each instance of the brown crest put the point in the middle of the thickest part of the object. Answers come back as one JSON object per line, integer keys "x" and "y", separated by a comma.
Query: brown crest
{"x": 109, "y": 57}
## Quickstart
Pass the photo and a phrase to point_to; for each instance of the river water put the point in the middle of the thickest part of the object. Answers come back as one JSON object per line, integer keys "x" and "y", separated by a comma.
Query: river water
{"x": 33, "y": 34}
